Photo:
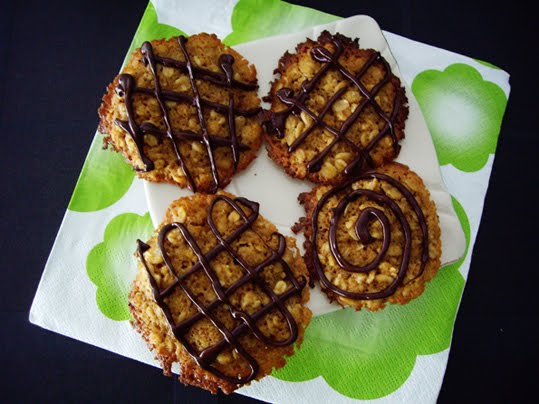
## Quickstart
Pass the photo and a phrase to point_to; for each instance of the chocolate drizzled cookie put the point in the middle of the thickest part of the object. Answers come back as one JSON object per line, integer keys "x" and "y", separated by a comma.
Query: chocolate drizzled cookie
{"x": 184, "y": 111}
{"x": 373, "y": 239}
{"x": 220, "y": 291}
{"x": 336, "y": 110}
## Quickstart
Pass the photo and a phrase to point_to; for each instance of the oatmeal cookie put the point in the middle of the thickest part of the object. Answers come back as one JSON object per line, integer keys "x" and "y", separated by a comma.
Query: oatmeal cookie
{"x": 220, "y": 291}
{"x": 184, "y": 111}
{"x": 336, "y": 110}
{"x": 374, "y": 239}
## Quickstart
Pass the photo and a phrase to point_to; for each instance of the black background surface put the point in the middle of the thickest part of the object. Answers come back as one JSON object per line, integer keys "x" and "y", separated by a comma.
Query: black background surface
{"x": 55, "y": 61}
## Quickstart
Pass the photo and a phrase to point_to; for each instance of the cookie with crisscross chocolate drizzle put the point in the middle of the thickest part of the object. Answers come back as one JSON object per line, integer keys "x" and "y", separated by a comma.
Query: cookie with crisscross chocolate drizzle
{"x": 184, "y": 111}
{"x": 220, "y": 291}
{"x": 336, "y": 110}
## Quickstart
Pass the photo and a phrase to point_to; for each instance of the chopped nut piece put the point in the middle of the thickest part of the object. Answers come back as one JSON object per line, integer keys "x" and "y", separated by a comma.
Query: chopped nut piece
{"x": 340, "y": 105}
{"x": 234, "y": 216}
{"x": 280, "y": 287}
{"x": 328, "y": 171}
{"x": 224, "y": 358}
{"x": 181, "y": 215}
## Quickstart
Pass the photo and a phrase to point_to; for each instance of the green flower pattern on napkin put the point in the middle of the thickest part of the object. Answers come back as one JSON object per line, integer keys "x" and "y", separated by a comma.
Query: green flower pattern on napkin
{"x": 366, "y": 355}
{"x": 464, "y": 114}
{"x": 488, "y": 64}
{"x": 103, "y": 170}
{"x": 248, "y": 23}
{"x": 150, "y": 29}
{"x": 104, "y": 179}
{"x": 111, "y": 266}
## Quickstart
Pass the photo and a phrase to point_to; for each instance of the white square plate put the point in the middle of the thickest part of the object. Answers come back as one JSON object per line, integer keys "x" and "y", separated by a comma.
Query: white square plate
{"x": 263, "y": 181}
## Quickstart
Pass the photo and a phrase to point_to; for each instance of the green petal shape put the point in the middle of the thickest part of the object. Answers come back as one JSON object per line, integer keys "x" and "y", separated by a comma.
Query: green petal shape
{"x": 488, "y": 64}
{"x": 255, "y": 19}
{"x": 110, "y": 265}
{"x": 105, "y": 176}
{"x": 463, "y": 112}
{"x": 366, "y": 355}
{"x": 104, "y": 179}
{"x": 149, "y": 29}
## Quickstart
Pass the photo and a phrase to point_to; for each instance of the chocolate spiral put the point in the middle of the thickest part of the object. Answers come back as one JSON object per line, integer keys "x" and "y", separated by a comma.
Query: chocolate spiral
{"x": 296, "y": 103}
{"x": 126, "y": 88}
{"x": 247, "y": 322}
{"x": 362, "y": 231}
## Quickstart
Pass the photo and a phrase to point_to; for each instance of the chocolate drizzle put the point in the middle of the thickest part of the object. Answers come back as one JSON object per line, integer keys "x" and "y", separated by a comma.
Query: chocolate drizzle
{"x": 127, "y": 87}
{"x": 247, "y": 322}
{"x": 296, "y": 103}
{"x": 361, "y": 228}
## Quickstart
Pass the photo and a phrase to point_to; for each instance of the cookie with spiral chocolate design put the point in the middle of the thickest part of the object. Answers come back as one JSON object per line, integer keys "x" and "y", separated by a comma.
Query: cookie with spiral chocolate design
{"x": 184, "y": 111}
{"x": 336, "y": 110}
{"x": 374, "y": 239}
{"x": 220, "y": 291}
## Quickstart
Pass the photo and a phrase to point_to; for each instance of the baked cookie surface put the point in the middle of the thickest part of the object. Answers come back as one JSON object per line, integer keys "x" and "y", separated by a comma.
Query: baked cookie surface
{"x": 184, "y": 111}
{"x": 374, "y": 239}
{"x": 336, "y": 110}
{"x": 219, "y": 291}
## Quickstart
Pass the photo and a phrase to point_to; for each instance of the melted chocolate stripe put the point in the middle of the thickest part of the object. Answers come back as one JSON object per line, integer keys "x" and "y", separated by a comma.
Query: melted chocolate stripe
{"x": 361, "y": 228}
{"x": 234, "y": 145}
{"x": 168, "y": 95}
{"x": 247, "y": 322}
{"x": 216, "y": 140}
{"x": 228, "y": 292}
{"x": 147, "y": 52}
{"x": 297, "y": 103}
{"x": 276, "y": 255}
{"x": 126, "y": 88}
{"x": 318, "y": 120}
{"x": 200, "y": 112}
{"x": 316, "y": 163}
{"x": 278, "y": 118}
{"x": 419, "y": 213}
{"x": 208, "y": 75}
{"x": 396, "y": 146}
{"x": 367, "y": 94}
{"x": 225, "y": 62}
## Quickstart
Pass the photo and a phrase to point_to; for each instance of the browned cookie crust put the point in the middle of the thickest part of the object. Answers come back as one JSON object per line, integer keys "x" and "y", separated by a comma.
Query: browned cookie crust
{"x": 196, "y": 125}
{"x": 374, "y": 239}
{"x": 221, "y": 292}
{"x": 336, "y": 110}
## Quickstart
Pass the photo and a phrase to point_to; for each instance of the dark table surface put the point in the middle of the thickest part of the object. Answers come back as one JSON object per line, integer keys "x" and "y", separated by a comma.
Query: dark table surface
{"x": 56, "y": 58}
